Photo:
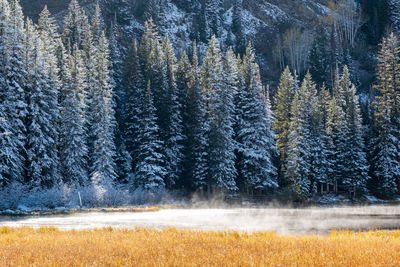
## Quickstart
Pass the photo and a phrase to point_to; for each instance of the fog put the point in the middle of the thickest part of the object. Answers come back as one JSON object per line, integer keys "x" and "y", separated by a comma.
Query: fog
{"x": 280, "y": 220}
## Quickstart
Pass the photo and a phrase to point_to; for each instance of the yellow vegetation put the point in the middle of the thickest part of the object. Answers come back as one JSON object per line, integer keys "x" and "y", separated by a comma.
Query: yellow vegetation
{"x": 171, "y": 247}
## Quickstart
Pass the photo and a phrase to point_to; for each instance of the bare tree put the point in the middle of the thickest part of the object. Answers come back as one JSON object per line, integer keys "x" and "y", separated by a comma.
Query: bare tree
{"x": 297, "y": 46}
{"x": 347, "y": 20}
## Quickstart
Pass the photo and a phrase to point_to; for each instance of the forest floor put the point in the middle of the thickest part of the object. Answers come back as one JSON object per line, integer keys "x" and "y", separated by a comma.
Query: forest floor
{"x": 172, "y": 247}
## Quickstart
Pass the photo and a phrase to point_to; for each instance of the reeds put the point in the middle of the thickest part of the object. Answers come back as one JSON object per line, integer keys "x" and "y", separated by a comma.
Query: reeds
{"x": 172, "y": 247}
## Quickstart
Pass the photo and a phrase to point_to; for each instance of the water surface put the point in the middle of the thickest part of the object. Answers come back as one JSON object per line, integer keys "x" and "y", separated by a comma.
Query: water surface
{"x": 280, "y": 220}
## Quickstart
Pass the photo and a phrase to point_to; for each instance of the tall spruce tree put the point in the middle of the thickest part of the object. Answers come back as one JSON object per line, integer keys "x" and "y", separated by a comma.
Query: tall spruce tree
{"x": 134, "y": 89}
{"x": 255, "y": 138}
{"x": 14, "y": 103}
{"x": 218, "y": 97}
{"x": 174, "y": 129}
{"x": 43, "y": 114}
{"x": 196, "y": 130}
{"x": 283, "y": 113}
{"x": 299, "y": 162}
{"x": 386, "y": 163}
{"x": 103, "y": 121}
{"x": 10, "y": 158}
{"x": 76, "y": 26}
{"x": 356, "y": 174}
{"x": 150, "y": 169}
{"x": 74, "y": 152}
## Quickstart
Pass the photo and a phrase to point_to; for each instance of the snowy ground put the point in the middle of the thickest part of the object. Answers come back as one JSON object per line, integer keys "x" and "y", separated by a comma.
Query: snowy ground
{"x": 280, "y": 220}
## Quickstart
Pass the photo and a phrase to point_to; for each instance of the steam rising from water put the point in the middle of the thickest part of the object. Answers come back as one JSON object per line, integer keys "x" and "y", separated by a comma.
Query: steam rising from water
{"x": 280, "y": 220}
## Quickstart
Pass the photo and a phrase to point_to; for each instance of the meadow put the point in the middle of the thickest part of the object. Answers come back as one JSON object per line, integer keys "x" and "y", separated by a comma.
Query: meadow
{"x": 49, "y": 246}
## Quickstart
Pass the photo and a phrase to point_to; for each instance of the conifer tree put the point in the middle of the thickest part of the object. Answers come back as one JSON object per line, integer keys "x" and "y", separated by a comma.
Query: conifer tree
{"x": 356, "y": 175}
{"x": 282, "y": 111}
{"x": 385, "y": 161}
{"x": 255, "y": 138}
{"x": 76, "y": 25}
{"x": 174, "y": 129}
{"x": 74, "y": 152}
{"x": 300, "y": 136}
{"x": 10, "y": 158}
{"x": 134, "y": 90}
{"x": 218, "y": 97}
{"x": 15, "y": 106}
{"x": 150, "y": 169}
{"x": 183, "y": 77}
{"x": 103, "y": 120}
{"x": 97, "y": 24}
{"x": 196, "y": 130}
{"x": 43, "y": 113}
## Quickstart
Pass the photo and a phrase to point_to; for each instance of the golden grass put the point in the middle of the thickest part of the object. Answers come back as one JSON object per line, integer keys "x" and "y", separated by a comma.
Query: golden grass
{"x": 171, "y": 247}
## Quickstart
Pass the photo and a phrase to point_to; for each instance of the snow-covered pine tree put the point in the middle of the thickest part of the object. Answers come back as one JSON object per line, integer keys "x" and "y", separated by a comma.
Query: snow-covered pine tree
{"x": 299, "y": 144}
{"x": 183, "y": 76}
{"x": 43, "y": 113}
{"x": 255, "y": 138}
{"x": 75, "y": 26}
{"x": 150, "y": 169}
{"x": 103, "y": 121}
{"x": 150, "y": 35}
{"x": 10, "y": 159}
{"x": 325, "y": 169}
{"x": 173, "y": 142}
{"x": 14, "y": 101}
{"x": 123, "y": 158}
{"x": 97, "y": 24}
{"x": 135, "y": 90}
{"x": 385, "y": 163}
{"x": 218, "y": 98}
{"x": 356, "y": 175}
{"x": 74, "y": 152}
{"x": 282, "y": 110}
{"x": 196, "y": 130}
{"x": 319, "y": 143}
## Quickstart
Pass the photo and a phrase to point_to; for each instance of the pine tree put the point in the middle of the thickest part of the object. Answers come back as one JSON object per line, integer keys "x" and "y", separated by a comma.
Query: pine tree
{"x": 356, "y": 175}
{"x": 74, "y": 152}
{"x": 14, "y": 101}
{"x": 322, "y": 168}
{"x": 10, "y": 159}
{"x": 150, "y": 35}
{"x": 299, "y": 162}
{"x": 103, "y": 121}
{"x": 183, "y": 79}
{"x": 337, "y": 132}
{"x": 97, "y": 24}
{"x": 174, "y": 129}
{"x": 385, "y": 161}
{"x": 196, "y": 130}
{"x": 76, "y": 25}
{"x": 218, "y": 97}
{"x": 282, "y": 111}
{"x": 135, "y": 90}
{"x": 150, "y": 169}
{"x": 123, "y": 158}
{"x": 255, "y": 138}
{"x": 43, "y": 113}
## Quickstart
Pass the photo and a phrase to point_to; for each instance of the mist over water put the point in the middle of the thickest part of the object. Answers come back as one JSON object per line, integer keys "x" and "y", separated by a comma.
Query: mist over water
{"x": 280, "y": 220}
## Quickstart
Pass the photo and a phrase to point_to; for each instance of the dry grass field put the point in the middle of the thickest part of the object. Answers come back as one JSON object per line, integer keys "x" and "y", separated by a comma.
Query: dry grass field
{"x": 171, "y": 247}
